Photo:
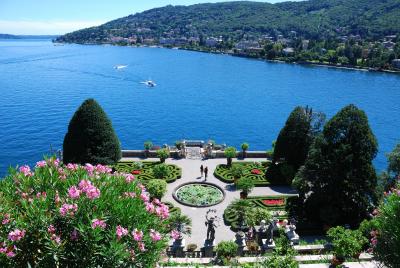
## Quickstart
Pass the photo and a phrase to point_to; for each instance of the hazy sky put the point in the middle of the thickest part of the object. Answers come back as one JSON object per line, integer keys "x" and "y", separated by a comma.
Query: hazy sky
{"x": 62, "y": 16}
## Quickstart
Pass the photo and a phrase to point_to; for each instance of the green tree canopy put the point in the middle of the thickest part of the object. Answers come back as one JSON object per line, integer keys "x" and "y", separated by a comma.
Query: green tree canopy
{"x": 91, "y": 137}
{"x": 297, "y": 135}
{"x": 338, "y": 180}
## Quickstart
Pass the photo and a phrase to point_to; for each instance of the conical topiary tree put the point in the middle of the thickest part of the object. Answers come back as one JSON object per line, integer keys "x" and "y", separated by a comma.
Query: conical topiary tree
{"x": 91, "y": 137}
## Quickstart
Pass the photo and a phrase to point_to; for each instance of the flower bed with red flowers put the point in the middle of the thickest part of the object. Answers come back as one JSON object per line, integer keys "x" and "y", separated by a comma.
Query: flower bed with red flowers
{"x": 256, "y": 171}
{"x": 274, "y": 202}
{"x": 136, "y": 172}
{"x": 57, "y": 215}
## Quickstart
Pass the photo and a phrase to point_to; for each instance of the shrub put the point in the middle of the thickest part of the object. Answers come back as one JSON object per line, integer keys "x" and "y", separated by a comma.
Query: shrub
{"x": 346, "y": 242}
{"x": 163, "y": 154}
{"x": 137, "y": 165}
{"x": 78, "y": 216}
{"x": 157, "y": 188}
{"x": 160, "y": 171}
{"x": 245, "y": 184}
{"x": 245, "y": 147}
{"x": 91, "y": 137}
{"x": 148, "y": 145}
{"x": 237, "y": 171}
{"x": 226, "y": 249}
{"x": 230, "y": 153}
{"x": 386, "y": 240}
{"x": 277, "y": 261}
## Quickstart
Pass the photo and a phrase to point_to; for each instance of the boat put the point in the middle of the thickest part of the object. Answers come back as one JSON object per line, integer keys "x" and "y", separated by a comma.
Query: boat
{"x": 149, "y": 83}
{"x": 120, "y": 66}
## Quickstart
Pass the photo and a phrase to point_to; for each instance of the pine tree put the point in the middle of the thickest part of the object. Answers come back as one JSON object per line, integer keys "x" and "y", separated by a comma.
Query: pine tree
{"x": 338, "y": 181}
{"x": 91, "y": 137}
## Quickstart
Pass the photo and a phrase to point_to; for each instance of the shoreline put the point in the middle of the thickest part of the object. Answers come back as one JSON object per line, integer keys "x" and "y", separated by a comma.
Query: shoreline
{"x": 302, "y": 63}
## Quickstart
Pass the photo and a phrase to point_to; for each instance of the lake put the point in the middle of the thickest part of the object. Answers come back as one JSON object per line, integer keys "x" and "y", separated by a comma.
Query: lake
{"x": 198, "y": 96}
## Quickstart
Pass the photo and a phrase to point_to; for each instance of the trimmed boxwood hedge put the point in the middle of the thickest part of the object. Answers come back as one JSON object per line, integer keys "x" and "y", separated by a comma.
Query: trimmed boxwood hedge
{"x": 222, "y": 172}
{"x": 146, "y": 173}
{"x": 231, "y": 217}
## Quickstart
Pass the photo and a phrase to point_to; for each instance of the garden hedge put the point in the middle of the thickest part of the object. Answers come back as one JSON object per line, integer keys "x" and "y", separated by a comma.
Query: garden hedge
{"x": 222, "y": 172}
{"x": 146, "y": 173}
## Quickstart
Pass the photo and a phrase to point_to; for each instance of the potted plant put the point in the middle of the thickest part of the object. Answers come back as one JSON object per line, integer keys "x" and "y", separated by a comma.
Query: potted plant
{"x": 147, "y": 146}
{"x": 191, "y": 247}
{"x": 181, "y": 225}
{"x": 346, "y": 243}
{"x": 163, "y": 154}
{"x": 245, "y": 147}
{"x": 237, "y": 171}
{"x": 230, "y": 153}
{"x": 246, "y": 185}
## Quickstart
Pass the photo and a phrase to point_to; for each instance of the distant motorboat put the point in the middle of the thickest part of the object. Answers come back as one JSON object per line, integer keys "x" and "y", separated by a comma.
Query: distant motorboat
{"x": 149, "y": 83}
{"x": 120, "y": 66}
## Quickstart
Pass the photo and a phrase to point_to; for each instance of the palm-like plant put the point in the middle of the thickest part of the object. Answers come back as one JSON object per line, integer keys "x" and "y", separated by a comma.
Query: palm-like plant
{"x": 245, "y": 147}
{"x": 180, "y": 223}
{"x": 246, "y": 185}
{"x": 230, "y": 153}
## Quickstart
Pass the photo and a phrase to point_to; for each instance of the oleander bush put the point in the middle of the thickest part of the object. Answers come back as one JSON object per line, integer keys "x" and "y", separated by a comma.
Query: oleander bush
{"x": 254, "y": 171}
{"x": 79, "y": 216}
{"x": 145, "y": 173}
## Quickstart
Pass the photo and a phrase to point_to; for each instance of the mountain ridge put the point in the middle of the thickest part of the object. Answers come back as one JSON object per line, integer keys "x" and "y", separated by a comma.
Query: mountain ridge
{"x": 314, "y": 19}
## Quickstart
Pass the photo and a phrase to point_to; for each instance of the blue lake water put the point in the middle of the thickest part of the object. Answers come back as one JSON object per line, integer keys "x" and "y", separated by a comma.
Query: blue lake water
{"x": 198, "y": 96}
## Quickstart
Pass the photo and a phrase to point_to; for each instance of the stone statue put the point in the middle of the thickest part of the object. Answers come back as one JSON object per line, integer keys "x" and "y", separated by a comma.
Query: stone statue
{"x": 211, "y": 225}
{"x": 270, "y": 231}
{"x": 290, "y": 231}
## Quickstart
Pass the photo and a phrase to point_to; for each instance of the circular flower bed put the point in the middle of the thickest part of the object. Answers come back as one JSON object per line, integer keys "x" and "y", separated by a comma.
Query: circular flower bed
{"x": 199, "y": 194}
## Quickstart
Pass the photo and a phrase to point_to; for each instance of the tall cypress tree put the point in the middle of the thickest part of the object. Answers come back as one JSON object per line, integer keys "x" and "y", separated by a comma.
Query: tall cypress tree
{"x": 338, "y": 181}
{"x": 91, "y": 137}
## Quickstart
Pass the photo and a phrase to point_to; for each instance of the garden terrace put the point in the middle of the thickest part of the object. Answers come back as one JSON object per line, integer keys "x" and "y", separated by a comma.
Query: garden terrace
{"x": 252, "y": 170}
{"x": 145, "y": 172}
{"x": 277, "y": 205}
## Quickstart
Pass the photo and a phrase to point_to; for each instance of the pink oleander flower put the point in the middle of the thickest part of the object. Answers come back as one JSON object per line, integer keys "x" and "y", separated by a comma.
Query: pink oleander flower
{"x": 10, "y": 254}
{"x": 130, "y": 194}
{"x": 142, "y": 187}
{"x": 89, "y": 168}
{"x": 137, "y": 235}
{"x": 150, "y": 207}
{"x": 92, "y": 192}
{"x": 103, "y": 169}
{"x": 84, "y": 185}
{"x": 72, "y": 167}
{"x": 155, "y": 236}
{"x": 74, "y": 192}
{"x": 61, "y": 174}
{"x": 16, "y": 235}
{"x": 41, "y": 164}
{"x": 26, "y": 170}
{"x": 141, "y": 246}
{"x": 6, "y": 219}
{"x": 129, "y": 178}
{"x": 74, "y": 235}
{"x": 121, "y": 231}
{"x": 145, "y": 197}
{"x": 42, "y": 195}
{"x": 156, "y": 201}
{"x": 51, "y": 229}
{"x": 99, "y": 223}
{"x": 175, "y": 234}
{"x": 68, "y": 209}
{"x": 56, "y": 239}
{"x": 57, "y": 198}
{"x": 162, "y": 211}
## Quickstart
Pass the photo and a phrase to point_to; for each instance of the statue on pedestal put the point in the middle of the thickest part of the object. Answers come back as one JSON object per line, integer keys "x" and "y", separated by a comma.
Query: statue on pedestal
{"x": 211, "y": 223}
{"x": 290, "y": 231}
